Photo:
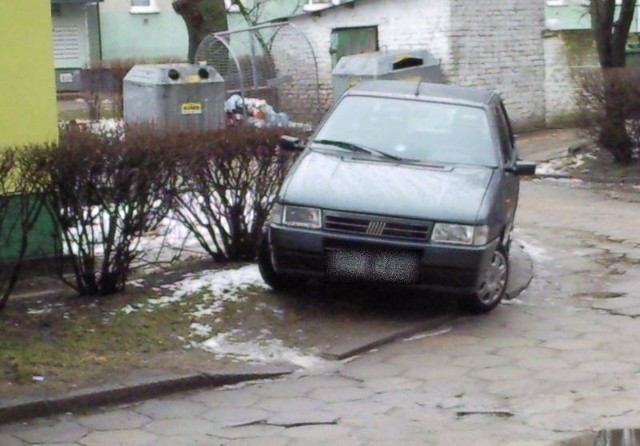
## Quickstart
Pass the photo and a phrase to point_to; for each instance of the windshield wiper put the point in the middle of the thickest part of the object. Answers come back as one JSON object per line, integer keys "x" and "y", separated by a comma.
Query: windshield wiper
{"x": 356, "y": 148}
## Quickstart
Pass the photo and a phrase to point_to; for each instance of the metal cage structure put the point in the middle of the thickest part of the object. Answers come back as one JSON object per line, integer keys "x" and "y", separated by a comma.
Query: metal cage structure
{"x": 273, "y": 62}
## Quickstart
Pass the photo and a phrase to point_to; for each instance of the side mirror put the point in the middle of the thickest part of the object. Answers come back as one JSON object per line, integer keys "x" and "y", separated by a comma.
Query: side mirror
{"x": 523, "y": 168}
{"x": 290, "y": 143}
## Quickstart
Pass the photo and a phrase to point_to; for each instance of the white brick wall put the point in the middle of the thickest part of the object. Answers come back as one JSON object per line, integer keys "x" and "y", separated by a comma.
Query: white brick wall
{"x": 497, "y": 44}
{"x": 565, "y": 57}
{"x": 401, "y": 24}
{"x": 492, "y": 43}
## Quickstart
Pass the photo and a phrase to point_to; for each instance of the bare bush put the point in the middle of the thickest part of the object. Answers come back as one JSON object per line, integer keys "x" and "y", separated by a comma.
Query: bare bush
{"x": 230, "y": 183}
{"x": 609, "y": 104}
{"x": 21, "y": 202}
{"x": 106, "y": 191}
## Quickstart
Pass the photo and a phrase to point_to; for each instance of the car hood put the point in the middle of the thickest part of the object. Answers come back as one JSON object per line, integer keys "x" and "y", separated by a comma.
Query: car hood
{"x": 383, "y": 187}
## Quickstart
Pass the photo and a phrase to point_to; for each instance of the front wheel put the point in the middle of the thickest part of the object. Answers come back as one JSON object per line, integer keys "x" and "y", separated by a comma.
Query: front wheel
{"x": 269, "y": 274}
{"x": 492, "y": 285}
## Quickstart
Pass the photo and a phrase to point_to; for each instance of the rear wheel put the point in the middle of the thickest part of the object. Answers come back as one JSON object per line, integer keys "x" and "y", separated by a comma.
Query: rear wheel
{"x": 492, "y": 285}
{"x": 268, "y": 272}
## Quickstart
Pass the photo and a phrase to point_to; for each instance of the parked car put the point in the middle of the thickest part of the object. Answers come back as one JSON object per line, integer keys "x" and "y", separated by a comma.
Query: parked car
{"x": 402, "y": 183}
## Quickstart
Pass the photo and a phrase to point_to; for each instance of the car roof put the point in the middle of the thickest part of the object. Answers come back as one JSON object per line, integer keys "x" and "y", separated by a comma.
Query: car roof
{"x": 426, "y": 91}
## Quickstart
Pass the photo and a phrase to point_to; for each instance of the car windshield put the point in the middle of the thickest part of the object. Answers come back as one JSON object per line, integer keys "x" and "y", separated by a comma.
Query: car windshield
{"x": 430, "y": 132}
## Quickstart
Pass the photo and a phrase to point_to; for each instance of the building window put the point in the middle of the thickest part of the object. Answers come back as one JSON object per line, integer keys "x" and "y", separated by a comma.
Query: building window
{"x": 144, "y": 7}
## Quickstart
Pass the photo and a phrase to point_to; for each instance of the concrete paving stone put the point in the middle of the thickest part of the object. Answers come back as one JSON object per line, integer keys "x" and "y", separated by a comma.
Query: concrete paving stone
{"x": 586, "y": 355}
{"x": 9, "y": 440}
{"x": 563, "y": 420}
{"x": 280, "y": 405}
{"x": 234, "y": 416}
{"x": 573, "y": 378}
{"x": 191, "y": 440}
{"x": 134, "y": 437}
{"x": 357, "y": 370}
{"x": 348, "y": 410}
{"x": 392, "y": 383}
{"x": 409, "y": 360}
{"x": 611, "y": 406}
{"x": 261, "y": 441}
{"x": 629, "y": 287}
{"x": 534, "y": 352}
{"x": 331, "y": 395}
{"x": 627, "y": 421}
{"x": 501, "y": 373}
{"x": 435, "y": 371}
{"x": 290, "y": 420}
{"x": 541, "y": 403}
{"x": 119, "y": 419}
{"x": 181, "y": 426}
{"x": 480, "y": 361}
{"x": 565, "y": 345}
{"x": 608, "y": 367}
{"x": 326, "y": 381}
{"x": 244, "y": 397}
{"x": 281, "y": 389}
{"x": 559, "y": 364}
{"x": 319, "y": 433}
{"x": 495, "y": 344}
{"x": 472, "y": 402}
{"x": 512, "y": 388}
{"x": 170, "y": 408}
{"x": 626, "y": 349}
{"x": 252, "y": 431}
{"x": 52, "y": 431}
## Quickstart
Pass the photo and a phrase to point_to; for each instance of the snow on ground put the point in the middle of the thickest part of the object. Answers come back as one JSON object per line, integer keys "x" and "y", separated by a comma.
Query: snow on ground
{"x": 560, "y": 166}
{"x": 261, "y": 350}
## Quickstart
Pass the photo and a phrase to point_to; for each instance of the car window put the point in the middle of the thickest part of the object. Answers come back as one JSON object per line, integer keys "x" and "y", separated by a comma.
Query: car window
{"x": 506, "y": 136}
{"x": 426, "y": 131}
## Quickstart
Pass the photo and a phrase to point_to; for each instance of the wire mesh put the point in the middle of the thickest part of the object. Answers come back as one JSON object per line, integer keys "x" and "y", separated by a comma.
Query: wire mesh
{"x": 274, "y": 62}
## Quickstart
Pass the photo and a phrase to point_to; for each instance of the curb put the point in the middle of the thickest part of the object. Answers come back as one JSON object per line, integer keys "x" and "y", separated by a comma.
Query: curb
{"x": 344, "y": 352}
{"x": 126, "y": 393}
{"x": 588, "y": 178}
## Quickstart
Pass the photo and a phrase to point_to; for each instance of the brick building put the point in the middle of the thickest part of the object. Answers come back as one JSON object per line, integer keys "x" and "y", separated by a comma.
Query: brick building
{"x": 491, "y": 43}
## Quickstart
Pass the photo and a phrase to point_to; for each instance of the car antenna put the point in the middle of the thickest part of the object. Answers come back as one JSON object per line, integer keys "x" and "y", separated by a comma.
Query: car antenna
{"x": 418, "y": 87}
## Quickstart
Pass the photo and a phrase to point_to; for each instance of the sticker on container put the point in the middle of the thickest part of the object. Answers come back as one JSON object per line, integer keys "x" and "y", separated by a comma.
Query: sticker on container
{"x": 191, "y": 108}
{"x": 193, "y": 79}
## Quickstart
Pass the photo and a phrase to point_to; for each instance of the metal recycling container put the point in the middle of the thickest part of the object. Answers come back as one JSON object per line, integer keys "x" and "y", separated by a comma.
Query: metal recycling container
{"x": 181, "y": 96}
{"x": 409, "y": 65}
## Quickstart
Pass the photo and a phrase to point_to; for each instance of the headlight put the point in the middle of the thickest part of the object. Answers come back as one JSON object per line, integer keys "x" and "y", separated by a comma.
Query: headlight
{"x": 310, "y": 218}
{"x": 460, "y": 234}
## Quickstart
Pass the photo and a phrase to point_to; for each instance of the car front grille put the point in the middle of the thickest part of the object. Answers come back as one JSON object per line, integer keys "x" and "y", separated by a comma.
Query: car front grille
{"x": 377, "y": 227}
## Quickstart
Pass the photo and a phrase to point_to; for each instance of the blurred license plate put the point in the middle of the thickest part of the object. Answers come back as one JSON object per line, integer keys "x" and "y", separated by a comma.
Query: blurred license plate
{"x": 371, "y": 265}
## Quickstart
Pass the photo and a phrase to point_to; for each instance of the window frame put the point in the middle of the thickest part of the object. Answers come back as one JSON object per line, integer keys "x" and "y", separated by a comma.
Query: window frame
{"x": 151, "y": 8}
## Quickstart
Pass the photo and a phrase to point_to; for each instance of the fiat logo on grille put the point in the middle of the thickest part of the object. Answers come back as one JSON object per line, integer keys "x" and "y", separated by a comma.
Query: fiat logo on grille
{"x": 375, "y": 228}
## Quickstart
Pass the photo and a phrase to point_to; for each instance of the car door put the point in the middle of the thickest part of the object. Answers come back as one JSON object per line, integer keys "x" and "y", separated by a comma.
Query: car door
{"x": 509, "y": 156}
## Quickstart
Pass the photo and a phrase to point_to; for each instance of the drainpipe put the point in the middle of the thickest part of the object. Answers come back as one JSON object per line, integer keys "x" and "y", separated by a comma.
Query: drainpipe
{"x": 99, "y": 32}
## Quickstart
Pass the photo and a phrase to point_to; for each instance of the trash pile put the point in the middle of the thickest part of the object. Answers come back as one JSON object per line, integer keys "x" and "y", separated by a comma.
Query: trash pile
{"x": 256, "y": 112}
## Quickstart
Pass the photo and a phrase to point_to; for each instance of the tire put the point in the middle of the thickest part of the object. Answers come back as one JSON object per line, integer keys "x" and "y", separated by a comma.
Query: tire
{"x": 270, "y": 275}
{"x": 492, "y": 286}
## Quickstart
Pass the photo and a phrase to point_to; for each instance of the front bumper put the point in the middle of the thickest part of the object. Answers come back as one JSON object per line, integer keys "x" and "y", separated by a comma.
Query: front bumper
{"x": 302, "y": 253}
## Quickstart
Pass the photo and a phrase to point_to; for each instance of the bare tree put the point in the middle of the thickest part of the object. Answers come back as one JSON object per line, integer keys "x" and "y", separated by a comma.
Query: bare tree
{"x": 202, "y": 17}
{"x": 611, "y": 40}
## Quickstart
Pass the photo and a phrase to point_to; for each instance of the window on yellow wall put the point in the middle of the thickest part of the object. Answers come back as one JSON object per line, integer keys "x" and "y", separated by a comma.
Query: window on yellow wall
{"x": 144, "y": 7}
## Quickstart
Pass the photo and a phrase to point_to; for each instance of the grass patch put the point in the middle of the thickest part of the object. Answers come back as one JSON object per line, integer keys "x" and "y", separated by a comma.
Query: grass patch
{"x": 74, "y": 342}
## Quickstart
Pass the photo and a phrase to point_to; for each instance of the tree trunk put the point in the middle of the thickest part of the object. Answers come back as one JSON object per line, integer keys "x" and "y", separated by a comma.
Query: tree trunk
{"x": 611, "y": 40}
{"x": 202, "y": 17}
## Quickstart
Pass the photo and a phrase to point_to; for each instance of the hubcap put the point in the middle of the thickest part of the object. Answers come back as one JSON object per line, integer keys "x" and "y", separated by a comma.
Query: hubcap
{"x": 495, "y": 279}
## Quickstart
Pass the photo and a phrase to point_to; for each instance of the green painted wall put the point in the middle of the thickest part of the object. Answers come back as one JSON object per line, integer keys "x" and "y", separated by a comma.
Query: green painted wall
{"x": 163, "y": 34}
{"x": 28, "y": 112}
{"x": 142, "y": 36}
{"x": 574, "y": 17}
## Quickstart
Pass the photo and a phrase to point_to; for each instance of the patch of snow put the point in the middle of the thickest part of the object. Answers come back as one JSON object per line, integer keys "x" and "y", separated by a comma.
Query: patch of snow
{"x": 258, "y": 351}
{"x": 128, "y": 309}
{"x": 438, "y": 332}
{"x": 534, "y": 250}
{"x": 201, "y": 330}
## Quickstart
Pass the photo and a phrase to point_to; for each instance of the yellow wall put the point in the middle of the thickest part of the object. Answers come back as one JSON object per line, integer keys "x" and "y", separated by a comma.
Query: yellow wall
{"x": 28, "y": 112}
